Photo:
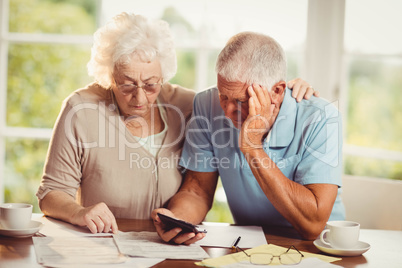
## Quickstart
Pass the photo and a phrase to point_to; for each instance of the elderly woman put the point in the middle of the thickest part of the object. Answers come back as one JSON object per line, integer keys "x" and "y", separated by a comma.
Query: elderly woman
{"x": 116, "y": 142}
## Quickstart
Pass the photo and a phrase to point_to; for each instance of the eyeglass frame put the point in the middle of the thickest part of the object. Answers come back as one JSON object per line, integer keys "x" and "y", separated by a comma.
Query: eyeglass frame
{"x": 137, "y": 87}
{"x": 273, "y": 256}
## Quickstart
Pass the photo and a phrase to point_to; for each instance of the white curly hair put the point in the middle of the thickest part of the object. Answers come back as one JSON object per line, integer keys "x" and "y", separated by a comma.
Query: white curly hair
{"x": 127, "y": 34}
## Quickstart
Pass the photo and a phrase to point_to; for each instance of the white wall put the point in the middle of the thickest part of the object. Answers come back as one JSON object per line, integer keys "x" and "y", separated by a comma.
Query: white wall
{"x": 374, "y": 203}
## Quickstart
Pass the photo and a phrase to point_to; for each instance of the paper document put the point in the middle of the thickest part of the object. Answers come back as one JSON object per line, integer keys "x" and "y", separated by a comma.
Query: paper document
{"x": 130, "y": 263}
{"x": 56, "y": 251}
{"x": 224, "y": 236}
{"x": 242, "y": 258}
{"x": 149, "y": 244}
{"x": 137, "y": 263}
{"x": 307, "y": 263}
{"x": 53, "y": 228}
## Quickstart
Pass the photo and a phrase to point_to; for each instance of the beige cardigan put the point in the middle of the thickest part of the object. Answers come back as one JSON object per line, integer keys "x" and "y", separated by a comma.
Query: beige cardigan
{"x": 92, "y": 153}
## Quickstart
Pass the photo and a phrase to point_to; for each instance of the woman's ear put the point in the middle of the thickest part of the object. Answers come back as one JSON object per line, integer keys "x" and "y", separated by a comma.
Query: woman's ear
{"x": 277, "y": 92}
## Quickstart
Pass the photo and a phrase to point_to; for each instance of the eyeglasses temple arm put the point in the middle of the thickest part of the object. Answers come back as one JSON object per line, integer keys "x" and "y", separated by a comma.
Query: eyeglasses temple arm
{"x": 295, "y": 249}
{"x": 243, "y": 251}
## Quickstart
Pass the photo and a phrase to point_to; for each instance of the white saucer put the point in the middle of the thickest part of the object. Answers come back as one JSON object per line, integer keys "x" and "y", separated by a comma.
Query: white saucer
{"x": 33, "y": 227}
{"x": 357, "y": 250}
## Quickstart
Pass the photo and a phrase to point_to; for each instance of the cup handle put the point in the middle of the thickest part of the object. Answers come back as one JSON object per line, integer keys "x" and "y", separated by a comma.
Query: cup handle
{"x": 322, "y": 237}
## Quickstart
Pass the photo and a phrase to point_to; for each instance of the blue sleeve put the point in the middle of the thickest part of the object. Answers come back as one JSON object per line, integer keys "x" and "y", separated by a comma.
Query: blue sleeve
{"x": 198, "y": 153}
{"x": 322, "y": 156}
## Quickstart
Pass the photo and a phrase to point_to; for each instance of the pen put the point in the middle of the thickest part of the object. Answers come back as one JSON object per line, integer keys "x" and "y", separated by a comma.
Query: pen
{"x": 236, "y": 242}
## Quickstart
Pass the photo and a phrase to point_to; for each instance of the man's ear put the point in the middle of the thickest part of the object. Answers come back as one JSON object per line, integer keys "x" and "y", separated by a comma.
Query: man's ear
{"x": 277, "y": 92}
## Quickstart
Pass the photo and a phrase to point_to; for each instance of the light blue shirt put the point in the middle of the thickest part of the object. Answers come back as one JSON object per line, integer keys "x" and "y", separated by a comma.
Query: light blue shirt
{"x": 305, "y": 143}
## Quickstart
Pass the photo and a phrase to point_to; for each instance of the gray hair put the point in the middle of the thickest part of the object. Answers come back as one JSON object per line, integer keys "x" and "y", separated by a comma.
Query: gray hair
{"x": 252, "y": 58}
{"x": 127, "y": 34}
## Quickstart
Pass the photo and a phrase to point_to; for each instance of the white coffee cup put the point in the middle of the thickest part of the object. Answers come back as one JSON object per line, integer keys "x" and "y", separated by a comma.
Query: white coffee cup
{"x": 15, "y": 215}
{"x": 341, "y": 234}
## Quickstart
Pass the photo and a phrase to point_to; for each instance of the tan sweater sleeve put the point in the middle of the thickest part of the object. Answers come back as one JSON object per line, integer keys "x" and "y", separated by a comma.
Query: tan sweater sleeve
{"x": 62, "y": 170}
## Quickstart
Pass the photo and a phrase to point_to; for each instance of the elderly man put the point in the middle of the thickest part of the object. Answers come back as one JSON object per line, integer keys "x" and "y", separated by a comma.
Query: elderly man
{"x": 279, "y": 160}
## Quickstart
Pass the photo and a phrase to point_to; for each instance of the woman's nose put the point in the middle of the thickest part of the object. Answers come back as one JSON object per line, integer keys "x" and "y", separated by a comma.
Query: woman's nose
{"x": 140, "y": 95}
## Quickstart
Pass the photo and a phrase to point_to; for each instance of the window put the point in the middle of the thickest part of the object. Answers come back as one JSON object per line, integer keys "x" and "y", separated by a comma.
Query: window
{"x": 42, "y": 62}
{"x": 372, "y": 102}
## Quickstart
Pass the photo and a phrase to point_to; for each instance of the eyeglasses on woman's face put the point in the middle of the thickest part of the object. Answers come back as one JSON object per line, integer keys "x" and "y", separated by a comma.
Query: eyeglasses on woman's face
{"x": 286, "y": 258}
{"x": 148, "y": 88}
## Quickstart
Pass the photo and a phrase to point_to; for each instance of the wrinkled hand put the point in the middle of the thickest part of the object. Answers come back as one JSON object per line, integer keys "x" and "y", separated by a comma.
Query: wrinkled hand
{"x": 301, "y": 88}
{"x": 98, "y": 218}
{"x": 259, "y": 119}
{"x": 173, "y": 234}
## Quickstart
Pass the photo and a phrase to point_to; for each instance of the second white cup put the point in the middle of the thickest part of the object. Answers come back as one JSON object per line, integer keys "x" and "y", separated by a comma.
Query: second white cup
{"x": 15, "y": 215}
{"x": 341, "y": 234}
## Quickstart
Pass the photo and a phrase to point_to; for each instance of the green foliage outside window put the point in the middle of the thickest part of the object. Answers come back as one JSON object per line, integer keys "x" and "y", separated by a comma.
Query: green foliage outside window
{"x": 185, "y": 75}
{"x": 52, "y": 16}
{"x": 40, "y": 76}
{"x": 374, "y": 115}
{"x": 24, "y": 165}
